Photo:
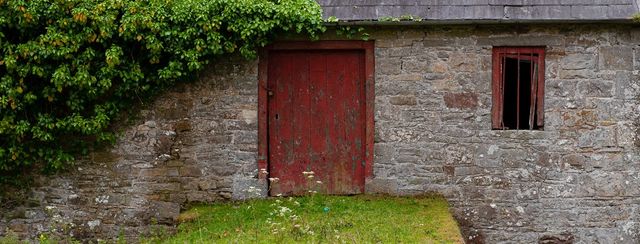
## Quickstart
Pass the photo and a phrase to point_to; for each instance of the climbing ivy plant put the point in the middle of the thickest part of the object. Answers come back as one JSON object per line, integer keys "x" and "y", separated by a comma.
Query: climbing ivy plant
{"x": 69, "y": 67}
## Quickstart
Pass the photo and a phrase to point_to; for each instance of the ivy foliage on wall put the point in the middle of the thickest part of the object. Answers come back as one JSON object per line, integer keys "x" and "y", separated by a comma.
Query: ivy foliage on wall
{"x": 69, "y": 67}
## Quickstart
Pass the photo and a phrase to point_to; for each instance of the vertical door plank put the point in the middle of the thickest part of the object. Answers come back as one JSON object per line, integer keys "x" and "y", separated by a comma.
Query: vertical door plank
{"x": 358, "y": 136}
{"x": 334, "y": 119}
{"x": 319, "y": 123}
{"x": 281, "y": 114}
{"x": 300, "y": 107}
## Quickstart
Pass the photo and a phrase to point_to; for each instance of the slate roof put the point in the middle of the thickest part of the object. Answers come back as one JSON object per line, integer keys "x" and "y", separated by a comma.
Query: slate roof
{"x": 482, "y": 10}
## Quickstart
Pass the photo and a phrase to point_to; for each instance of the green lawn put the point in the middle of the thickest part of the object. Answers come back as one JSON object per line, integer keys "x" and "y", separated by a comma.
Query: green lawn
{"x": 320, "y": 219}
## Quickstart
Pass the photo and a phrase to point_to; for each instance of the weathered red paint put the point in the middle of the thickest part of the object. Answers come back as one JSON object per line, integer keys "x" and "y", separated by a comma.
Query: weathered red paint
{"x": 262, "y": 112}
{"x": 316, "y": 114}
{"x": 496, "y": 90}
{"x": 540, "y": 95}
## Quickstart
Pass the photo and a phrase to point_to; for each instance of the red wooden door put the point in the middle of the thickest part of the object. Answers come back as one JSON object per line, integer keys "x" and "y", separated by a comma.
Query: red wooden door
{"x": 316, "y": 116}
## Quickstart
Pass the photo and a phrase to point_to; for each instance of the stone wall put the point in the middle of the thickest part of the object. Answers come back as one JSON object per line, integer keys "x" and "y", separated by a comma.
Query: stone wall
{"x": 193, "y": 144}
{"x": 579, "y": 179}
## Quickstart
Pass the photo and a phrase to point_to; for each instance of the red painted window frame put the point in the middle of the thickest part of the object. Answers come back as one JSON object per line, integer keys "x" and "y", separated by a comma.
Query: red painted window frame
{"x": 497, "y": 85}
{"x": 366, "y": 46}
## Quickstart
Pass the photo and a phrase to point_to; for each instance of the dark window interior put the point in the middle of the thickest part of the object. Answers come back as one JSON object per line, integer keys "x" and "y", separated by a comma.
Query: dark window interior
{"x": 517, "y": 94}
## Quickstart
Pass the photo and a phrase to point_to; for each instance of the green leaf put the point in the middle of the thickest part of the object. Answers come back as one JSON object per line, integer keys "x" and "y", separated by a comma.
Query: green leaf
{"x": 72, "y": 67}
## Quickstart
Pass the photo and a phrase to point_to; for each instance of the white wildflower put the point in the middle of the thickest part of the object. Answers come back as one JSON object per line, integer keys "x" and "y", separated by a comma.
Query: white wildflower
{"x": 285, "y": 210}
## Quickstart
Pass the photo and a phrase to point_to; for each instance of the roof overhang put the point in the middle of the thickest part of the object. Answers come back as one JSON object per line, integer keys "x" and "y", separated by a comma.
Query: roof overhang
{"x": 472, "y": 22}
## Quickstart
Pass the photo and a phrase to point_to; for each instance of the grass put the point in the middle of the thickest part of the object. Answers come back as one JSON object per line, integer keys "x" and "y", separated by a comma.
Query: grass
{"x": 320, "y": 219}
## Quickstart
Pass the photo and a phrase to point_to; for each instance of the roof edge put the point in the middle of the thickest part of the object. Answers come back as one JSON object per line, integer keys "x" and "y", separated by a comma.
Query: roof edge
{"x": 480, "y": 21}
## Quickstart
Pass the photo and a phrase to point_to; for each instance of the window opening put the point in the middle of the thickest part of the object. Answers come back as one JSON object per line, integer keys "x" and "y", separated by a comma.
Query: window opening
{"x": 518, "y": 82}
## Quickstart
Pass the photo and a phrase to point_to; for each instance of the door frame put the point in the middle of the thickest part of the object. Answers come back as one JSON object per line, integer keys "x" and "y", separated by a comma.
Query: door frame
{"x": 263, "y": 67}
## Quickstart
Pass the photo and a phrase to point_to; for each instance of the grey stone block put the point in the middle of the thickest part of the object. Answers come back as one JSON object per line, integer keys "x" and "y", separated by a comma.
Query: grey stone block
{"x": 616, "y": 58}
{"x": 381, "y": 186}
{"x": 536, "y": 40}
{"x": 165, "y": 212}
{"x": 627, "y": 85}
{"x": 595, "y": 88}
{"x": 577, "y": 74}
{"x": 578, "y": 61}
{"x": 601, "y": 137}
{"x": 248, "y": 187}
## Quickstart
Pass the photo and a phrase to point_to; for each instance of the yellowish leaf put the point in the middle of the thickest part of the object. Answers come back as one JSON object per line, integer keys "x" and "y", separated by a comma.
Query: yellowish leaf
{"x": 28, "y": 16}
{"x": 93, "y": 38}
{"x": 80, "y": 17}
